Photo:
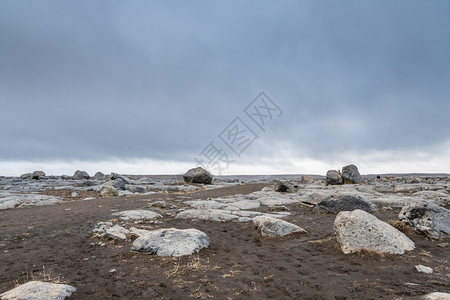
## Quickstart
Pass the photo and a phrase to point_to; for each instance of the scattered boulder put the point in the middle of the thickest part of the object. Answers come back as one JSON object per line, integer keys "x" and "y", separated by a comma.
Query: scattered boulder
{"x": 427, "y": 218}
{"x": 171, "y": 242}
{"x": 284, "y": 186}
{"x": 108, "y": 191}
{"x": 125, "y": 179}
{"x": 136, "y": 189}
{"x": 38, "y": 175}
{"x": 138, "y": 214}
{"x": 275, "y": 228}
{"x": 86, "y": 183}
{"x": 198, "y": 175}
{"x": 99, "y": 176}
{"x": 358, "y": 230}
{"x": 118, "y": 183}
{"x": 106, "y": 229}
{"x": 344, "y": 203}
{"x": 159, "y": 204}
{"x": 80, "y": 175}
{"x": 436, "y": 296}
{"x": 308, "y": 179}
{"x": 39, "y": 290}
{"x": 26, "y": 176}
{"x": 423, "y": 269}
{"x": 334, "y": 177}
{"x": 350, "y": 174}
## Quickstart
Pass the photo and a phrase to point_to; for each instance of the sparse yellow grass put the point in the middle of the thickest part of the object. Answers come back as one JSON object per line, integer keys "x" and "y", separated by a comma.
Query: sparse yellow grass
{"x": 28, "y": 275}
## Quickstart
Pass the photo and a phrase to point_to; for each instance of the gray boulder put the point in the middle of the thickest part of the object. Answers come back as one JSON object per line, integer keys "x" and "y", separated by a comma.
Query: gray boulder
{"x": 38, "y": 175}
{"x": 350, "y": 174}
{"x": 136, "y": 189}
{"x": 334, "y": 177}
{"x": 118, "y": 183}
{"x": 285, "y": 186}
{"x": 344, "y": 203}
{"x": 99, "y": 176}
{"x": 125, "y": 179}
{"x": 80, "y": 175}
{"x": 26, "y": 176}
{"x": 198, "y": 175}
{"x": 275, "y": 228}
{"x": 38, "y": 290}
{"x": 171, "y": 242}
{"x": 108, "y": 191}
{"x": 427, "y": 218}
{"x": 358, "y": 230}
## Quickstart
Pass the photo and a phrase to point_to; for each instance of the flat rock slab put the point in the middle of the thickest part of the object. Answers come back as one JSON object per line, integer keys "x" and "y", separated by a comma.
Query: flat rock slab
{"x": 106, "y": 229}
{"x": 171, "y": 242}
{"x": 138, "y": 214}
{"x": 272, "y": 227}
{"x": 38, "y": 290}
{"x": 220, "y": 215}
{"x": 358, "y": 230}
{"x": 344, "y": 203}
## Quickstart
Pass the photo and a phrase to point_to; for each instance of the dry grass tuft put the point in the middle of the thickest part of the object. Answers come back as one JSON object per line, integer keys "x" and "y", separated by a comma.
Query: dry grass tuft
{"x": 30, "y": 275}
{"x": 401, "y": 226}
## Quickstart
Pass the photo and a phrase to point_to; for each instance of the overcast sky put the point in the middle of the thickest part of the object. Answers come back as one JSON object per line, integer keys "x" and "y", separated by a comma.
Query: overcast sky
{"x": 145, "y": 86}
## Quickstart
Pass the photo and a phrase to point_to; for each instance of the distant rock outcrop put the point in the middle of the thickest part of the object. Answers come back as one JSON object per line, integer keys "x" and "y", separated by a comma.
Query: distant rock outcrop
{"x": 80, "y": 175}
{"x": 99, "y": 176}
{"x": 350, "y": 174}
{"x": 38, "y": 175}
{"x": 285, "y": 186}
{"x": 334, "y": 177}
{"x": 198, "y": 175}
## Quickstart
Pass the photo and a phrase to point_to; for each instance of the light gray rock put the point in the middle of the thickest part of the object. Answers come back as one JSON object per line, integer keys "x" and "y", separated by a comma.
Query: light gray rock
{"x": 117, "y": 232}
{"x": 136, "y": 189}
{"x": 171, "y": 242}
{"x": 135, "y": 232}
{"x": 99, "y": 176}
{"x": 138, "y": 214}
{"x": 436, "y": 296}
{"x": 424, "y": 269}
{"x": 246, "y": 204}
{"x": 108, "y": 191}
{"x": 80, "y": 175}
{"x": 285, "y": 186}
{"x": 26, "y": 176}
{"x": 217, "y": 215}
{"x": 334, "y": 177}
{"x": 198, "y": 175}
{"x": 38, "y": 290}
{"x": 427, "y": 217}
{"x": 38, "y": 175}
{"x": 350, "y": 174}
{"x": 308, "y": 179}
{"x": 275, "y": 228}
{"x": 358, "y": 230}
{"x": 344, "y": 203}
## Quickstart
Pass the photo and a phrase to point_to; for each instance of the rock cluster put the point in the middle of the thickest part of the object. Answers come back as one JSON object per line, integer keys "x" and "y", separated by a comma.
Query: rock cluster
{"x": 349, "y": 175}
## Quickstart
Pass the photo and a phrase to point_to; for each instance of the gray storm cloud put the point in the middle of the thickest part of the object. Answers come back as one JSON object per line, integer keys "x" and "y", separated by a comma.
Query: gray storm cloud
{"x": 159, "y": 79}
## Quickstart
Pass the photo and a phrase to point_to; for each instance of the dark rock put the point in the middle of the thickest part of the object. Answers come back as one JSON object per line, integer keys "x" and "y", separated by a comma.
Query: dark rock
{"x": 79, "y": 175}
{"x": 38, "y": 175}
{"x": 334, "y": 177}
{"x": 86, "y": 183}
{"x": 344, "y": 203}
{"x": 115, "y": 176}
{"x": 285, "y": 186}
{"x": 350, "y": 174}
{"x": 198, "y": 175}
{"x": 427, "y": 218}
{"x": 136, "y": 189}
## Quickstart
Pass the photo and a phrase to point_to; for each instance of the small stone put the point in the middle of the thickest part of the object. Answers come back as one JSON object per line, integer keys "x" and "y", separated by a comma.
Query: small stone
{"x": 74, "y": 194}
{"x": 443, "y": 245}
{"x": 424, "y": 269}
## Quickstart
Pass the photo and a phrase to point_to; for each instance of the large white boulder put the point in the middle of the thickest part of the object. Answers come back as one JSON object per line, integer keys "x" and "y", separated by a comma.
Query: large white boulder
{"x": 358, "y": 230}
{"x": 171, "y": 242}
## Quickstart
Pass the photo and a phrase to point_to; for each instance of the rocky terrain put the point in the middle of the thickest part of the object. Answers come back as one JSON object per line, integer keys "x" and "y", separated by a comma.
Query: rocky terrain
{"x": 341, "y": 236}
